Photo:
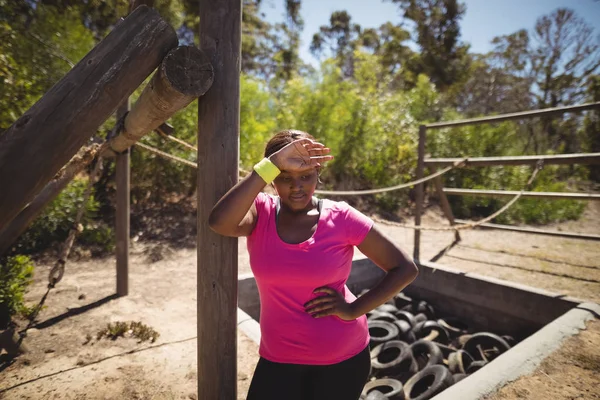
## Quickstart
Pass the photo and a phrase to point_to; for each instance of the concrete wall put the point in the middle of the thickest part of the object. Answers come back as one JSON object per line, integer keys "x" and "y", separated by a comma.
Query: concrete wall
{"x": 487, "y": 304}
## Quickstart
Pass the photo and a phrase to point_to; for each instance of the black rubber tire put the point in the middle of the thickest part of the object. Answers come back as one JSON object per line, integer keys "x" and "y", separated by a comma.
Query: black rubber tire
{"x": 382, "y": 316}
{"x": 392, "y": 389}
{"x": 510, "y": 340}
{"x": 428, "y": 383}
{"x": 402, "y": 300}
{"x": 421, "y": 317}
{"x": 458, "y": 377}
{"x": 406, "y": 334}
{"x": 381, "y": 331}
{"x": 476, "y": 366}
{"x": 445, "y": 349}
{"x": 459, "y": 361}
{"x": 460, "y": 341}
{"x": 486, "y": 341}
{"x": 454, "y": 326}
{"x": 420, "y": 307}
{"x": 393, "y": 359}
{"x": 406, "y": 316}
{"x": 426, "y": 353}
{"x": 428, "y": 327}
{"x": 387, "y": 308}
{"x": 375, "y": 395}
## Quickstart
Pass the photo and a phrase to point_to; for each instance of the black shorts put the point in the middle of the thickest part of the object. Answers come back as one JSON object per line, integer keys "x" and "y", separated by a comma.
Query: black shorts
{"x": 341, "y": 381}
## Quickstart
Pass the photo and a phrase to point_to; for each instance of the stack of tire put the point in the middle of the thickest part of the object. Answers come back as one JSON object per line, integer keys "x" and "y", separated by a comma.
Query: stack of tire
{"x": 416, "y": 355}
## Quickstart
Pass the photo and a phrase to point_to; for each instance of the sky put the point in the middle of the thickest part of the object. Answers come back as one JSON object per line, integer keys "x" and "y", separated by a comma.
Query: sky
{"x": 483, "y": 20}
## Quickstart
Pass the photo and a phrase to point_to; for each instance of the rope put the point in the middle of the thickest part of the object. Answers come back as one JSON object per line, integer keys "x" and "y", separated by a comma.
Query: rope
{"x": 392, "y": 188}
{"x": 57, "y": 272}
{"x": 177, "y": 140}
{"x": 472, "y": 224}
{"x": 167, "y": 155}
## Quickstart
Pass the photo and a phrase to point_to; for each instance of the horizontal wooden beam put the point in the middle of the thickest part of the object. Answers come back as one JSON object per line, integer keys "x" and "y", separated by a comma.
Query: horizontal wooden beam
{"x": 582, "y": 158}
{"x": 184, "y": 75}
{"x": 514, "y": 116}
{"x": 585, "y": 236}
{"x": 511, "y": 193}
{"x": 50, "y": 133}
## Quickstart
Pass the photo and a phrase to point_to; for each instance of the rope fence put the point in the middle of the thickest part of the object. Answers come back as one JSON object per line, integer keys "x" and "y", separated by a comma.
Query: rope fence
{"x": 471, "y": 225}
{"x": 457, "y": 164}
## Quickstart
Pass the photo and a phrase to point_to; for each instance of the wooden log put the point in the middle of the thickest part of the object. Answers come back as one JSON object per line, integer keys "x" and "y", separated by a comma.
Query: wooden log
{"x": 512, "y": 193}
{"x": 45, "y": 138}
{"x": 419, "y": 191}
{"x": 515, "y": 116}
{"x": 184, "y": 75}
{"x": 439, "y": 188}
{"x": 581, "y": 158}
{"x": 11, "y": 232}
{"x": 122, "y": 217}
{"x": 537, "y": 231}
{"x": 218, "y": 155}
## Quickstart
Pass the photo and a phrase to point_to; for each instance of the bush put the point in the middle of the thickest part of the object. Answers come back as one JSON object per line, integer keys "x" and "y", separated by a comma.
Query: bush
{"x": 54, "y": 223}
{"x": 16, "y": 274}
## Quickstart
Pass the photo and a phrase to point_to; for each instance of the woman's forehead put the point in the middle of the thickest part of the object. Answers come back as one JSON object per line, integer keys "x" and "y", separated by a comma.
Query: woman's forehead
{"x": 301, "y": 172}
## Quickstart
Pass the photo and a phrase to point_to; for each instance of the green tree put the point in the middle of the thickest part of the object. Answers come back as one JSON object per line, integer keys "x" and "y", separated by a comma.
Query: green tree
{"x": 443, "y": 57}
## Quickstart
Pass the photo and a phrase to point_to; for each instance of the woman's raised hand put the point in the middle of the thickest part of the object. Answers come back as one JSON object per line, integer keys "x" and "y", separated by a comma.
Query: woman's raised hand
{"x": 300, "y": 155}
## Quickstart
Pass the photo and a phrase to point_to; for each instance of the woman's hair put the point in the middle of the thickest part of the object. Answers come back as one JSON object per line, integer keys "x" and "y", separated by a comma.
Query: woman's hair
{"x": 283, "y": 138}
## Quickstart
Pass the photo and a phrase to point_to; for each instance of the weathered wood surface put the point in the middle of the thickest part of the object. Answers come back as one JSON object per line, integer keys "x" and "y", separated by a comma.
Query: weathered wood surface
{"x": 45, "y": 138}
{"x": 122, "y": 217}
{"x": 218, "y": 154}
{"x": 184, "y": 75}
{"x": 11, "y": 232}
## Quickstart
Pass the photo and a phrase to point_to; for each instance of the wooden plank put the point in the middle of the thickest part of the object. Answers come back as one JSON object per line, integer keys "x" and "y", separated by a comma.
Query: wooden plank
{"x": 183, "y": 76}
{"x": 512, "y": 193}
{"x": 439, "y": 187}
{"x": 11, "y": 232}
{"x": 49, "y": 134}
{"x": 583, "y": 158}
{"x": 515, "y": 116}
{"x": 218, "y": 155}
{"x": 585, "y": 236}
{"x": 122, "y": 213}
{"x": 419, "y": 190}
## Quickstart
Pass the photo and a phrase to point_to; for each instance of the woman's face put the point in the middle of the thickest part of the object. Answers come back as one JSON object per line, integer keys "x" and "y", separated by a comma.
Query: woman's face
{"x": 297, "y": 188}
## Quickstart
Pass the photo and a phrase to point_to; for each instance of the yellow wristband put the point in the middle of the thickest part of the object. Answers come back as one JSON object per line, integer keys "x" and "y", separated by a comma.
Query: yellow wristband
{"x": 267, "y": 170}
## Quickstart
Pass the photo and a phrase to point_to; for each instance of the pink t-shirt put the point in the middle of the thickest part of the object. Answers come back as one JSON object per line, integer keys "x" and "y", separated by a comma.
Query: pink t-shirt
{"x": 287, "y": 274}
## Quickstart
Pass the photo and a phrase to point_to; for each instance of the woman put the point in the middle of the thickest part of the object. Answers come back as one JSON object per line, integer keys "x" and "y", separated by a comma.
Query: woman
{"x": 315, "y": 338}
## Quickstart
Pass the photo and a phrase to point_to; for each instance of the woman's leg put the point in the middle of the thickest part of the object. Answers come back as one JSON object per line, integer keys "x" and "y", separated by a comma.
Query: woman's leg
{"x": 276, "y": 381}
{"x": 342, "y": 381}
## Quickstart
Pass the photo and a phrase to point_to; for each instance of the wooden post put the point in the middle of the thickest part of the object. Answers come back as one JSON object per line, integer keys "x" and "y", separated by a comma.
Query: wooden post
{"x": 439, "y": 187}
{"x": 218, "y": 155}
{"x": 183, "y": 76}
{"x": 122, "y": 214}
{"x": 11, "y": 232}
{"x": 49, "y": 134}
{"x": 419, "y": 190}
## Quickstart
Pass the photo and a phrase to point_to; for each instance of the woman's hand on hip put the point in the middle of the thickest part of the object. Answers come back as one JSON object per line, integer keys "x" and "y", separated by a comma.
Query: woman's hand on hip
{"x": 333, "y": 303}
{"x": 300, "y": 155}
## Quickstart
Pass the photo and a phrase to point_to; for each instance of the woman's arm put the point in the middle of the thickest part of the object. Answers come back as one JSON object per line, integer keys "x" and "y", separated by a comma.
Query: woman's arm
{"x": 235, "y": 213}
{"x": 400, "y": 269}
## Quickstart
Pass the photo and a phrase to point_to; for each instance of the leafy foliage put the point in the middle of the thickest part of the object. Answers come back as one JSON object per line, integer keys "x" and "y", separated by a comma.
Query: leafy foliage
{"x": 374, "y": 86}
{"x": 16, "y": 274}
{"x": 53, "y": 225}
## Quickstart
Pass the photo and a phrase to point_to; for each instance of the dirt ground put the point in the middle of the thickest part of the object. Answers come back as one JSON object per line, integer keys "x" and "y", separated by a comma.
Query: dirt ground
{"x": 569, "y": 373}
{"x": 63, "y": 363}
